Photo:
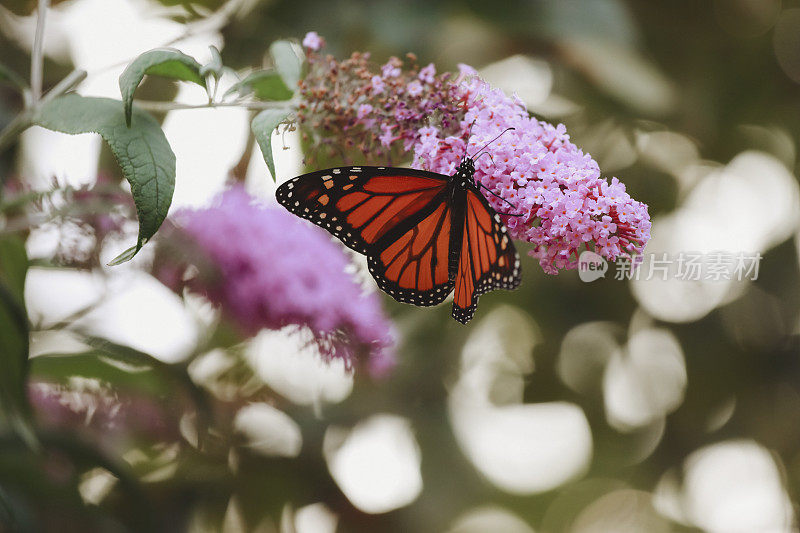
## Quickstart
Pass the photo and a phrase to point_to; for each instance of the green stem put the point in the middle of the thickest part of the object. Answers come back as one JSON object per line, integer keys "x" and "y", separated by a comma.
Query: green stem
{"x": 24, "y": 120}
{"x": 163, "y": 107}
{"x": 70, "y": 81}
{"x": 37, "y": 53}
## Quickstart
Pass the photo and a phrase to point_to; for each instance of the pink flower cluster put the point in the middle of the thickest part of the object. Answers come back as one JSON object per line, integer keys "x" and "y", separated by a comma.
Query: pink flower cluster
{"x": 268, "y": 269}
{"x": 313, "y": 41}
{"x": 106, "y": 415}
{"x": 565, "y": 205}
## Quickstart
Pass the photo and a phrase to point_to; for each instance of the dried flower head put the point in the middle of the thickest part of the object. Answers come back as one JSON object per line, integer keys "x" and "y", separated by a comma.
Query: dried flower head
{"x": 347, "y": 106}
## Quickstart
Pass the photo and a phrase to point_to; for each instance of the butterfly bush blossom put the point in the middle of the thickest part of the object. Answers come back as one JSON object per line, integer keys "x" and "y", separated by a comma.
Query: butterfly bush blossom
{"x": 268, "y": 269}
{"x": 564, "y": 202}
{"x": 565, "y": 206}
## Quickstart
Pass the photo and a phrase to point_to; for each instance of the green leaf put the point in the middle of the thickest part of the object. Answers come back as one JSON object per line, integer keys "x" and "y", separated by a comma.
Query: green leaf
{"x": 265, "y": 84}
{"x": 14, "y": 516}
{"x": 164, "y": 62}
{"x": 12, "y": 78}
{"x": 124, "y": 257}
{"x": 121, "y": 353}
{"x": 142, "y": 151}
{"x": 14, "y": 332}
{"x": 99, "y": 365}
{"x": 287, "y": 62}
{"x": 213, "y": 67}
{"x": 263, "y": 125}
{"x": 13, "y": 267}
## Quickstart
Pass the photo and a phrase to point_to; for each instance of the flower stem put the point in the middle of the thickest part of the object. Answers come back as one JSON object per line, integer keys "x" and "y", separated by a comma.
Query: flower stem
{"x": 69, "y": 82}
{"x": 163, "y": 107}
{"x": 22, "y": 121}
{"x": 37, "y": 53}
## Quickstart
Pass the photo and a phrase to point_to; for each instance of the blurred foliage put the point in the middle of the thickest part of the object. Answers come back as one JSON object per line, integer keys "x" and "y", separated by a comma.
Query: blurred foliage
{"x": 704, "y": 70}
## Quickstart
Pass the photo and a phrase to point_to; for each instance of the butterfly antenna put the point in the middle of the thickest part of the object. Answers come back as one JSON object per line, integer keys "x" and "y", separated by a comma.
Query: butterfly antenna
{"x": 499, "y": 198}
{"x": 490, "y": 142}
{"x": 485, "y": 153}
{"x": 469, "y": 136}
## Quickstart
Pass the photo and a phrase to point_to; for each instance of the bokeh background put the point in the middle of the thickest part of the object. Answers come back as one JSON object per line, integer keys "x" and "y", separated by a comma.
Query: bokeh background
{"x": 625, "y": 406}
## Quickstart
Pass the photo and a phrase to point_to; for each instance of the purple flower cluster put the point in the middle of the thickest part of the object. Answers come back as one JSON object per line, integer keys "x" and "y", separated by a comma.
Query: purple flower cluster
{"x": 104, "y": 413}
{"x": 268, "y": 269}
{"x": 564, "y": 203}
{"x": 313, "y": 41}
{"x": 566, "y": 206}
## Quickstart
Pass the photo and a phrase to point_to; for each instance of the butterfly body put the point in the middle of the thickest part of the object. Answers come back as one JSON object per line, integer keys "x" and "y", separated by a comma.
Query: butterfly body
{"x": 424, "y": 234}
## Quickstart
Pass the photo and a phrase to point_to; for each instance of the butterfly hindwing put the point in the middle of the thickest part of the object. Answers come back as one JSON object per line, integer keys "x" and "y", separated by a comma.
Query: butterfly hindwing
{"x": 412, "y": 265}
{"x": 487, "y": 258}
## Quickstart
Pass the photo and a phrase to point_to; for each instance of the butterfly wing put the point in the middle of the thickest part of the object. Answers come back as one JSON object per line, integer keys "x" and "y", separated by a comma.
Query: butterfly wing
{"x": 398, "y": 218}
{"x": 411, "y": 264}
{"x": 360, "y": 205}
{"x": 488, "y": 259}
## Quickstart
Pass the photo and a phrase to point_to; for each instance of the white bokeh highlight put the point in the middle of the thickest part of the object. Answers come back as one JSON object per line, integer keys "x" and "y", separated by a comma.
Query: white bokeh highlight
{"x": 138, "y": 311}
{"x": 291, "y": 365}
{"x": 207, "y": 144}
{"x": 733, "y": 486}
{"x": 54, "y": 295}
{"x": 736, "y": 486}
{"x": 646, "y": 381}
{"x": 315, "y": 518}
{"x": 527, "y": 448}
{"x": 489, "y": 518}
{"x": 520, "y": 448}
{"x": 749, "y": 206}
{"x": 376, "y": 464}
{"x": 268, "y": 431}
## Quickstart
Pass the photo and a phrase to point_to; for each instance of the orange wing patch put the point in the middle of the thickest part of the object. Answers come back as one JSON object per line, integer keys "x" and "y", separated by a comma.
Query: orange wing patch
{"x": 376, "y": 214}
{"x": 414, "y": 267}
{"x": 417, "y": 260}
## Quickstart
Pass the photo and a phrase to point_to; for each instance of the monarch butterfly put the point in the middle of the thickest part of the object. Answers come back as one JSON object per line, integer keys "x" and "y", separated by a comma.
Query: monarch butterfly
{"x": 424, "y": 234}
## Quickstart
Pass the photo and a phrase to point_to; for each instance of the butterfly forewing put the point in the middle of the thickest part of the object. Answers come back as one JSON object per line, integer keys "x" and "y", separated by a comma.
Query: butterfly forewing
{"x": 361, "y": 205}
{"x": 487, "y": 260}
{"x": 399, "y": 218}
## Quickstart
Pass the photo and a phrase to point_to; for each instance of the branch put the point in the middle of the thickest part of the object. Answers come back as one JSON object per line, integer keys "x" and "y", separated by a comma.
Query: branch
{"x": 22, "y": 121}
{"x": 37, "y": 53}
{"x": 163, "y": 107}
